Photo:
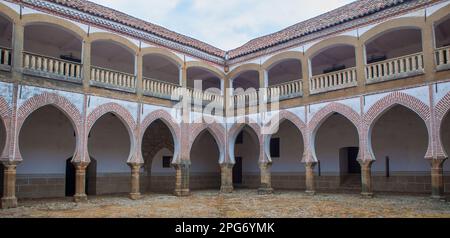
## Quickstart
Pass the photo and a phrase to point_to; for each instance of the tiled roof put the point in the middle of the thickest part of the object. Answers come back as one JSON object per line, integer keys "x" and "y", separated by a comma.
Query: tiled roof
{"x": 351, "y": 13}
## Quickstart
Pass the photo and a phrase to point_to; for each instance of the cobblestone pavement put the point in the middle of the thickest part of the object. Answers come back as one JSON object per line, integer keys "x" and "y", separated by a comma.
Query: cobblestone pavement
{"x": 240, "y": 204}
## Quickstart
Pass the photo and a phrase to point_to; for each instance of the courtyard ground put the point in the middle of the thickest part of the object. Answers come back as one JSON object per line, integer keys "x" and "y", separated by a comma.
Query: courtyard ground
{"x": 240, "y": 204}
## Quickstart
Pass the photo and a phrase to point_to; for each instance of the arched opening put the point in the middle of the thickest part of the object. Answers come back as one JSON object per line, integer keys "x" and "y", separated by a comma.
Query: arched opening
{"x": 399, "y": 141}
{"x": 90, "y": 178}
{"x": 246, "y": 173}
{"x": 109, "y": 143}
{"x": 58, "y": 56}
{"x": 332, "y": 59}
{"x": 112, "y": 56}
{"x": 247, "y": 80}
{"x": 2, "y": 146}
{"x": 286, "y": 151}
{"x": 205, "y": 168}
{"x": 394, "y": 43}
{"x": 335, "y": 143}
{"x": 208, "y": 79}
{"x": 285, "y": 71}
{"x": 46, "y": 140}
{"x": 442, "y": 41}
{"x": 157, "y": 151}
{"x": 6, "y": 28}
{"x": 161, "y": 68}
{"x": 445, "y": 137}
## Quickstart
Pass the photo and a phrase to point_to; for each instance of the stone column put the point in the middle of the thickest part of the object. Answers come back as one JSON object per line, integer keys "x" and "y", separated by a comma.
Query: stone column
{"x": 86, "y": 64}
{"x": 310, "y": 184}
{"x": 266, "y": 179}
{"x": 18, "y": 42}
{"x": 428, "y": 51}
{"x": 135, "y": 192}
{"x": 437, "y": 178}
{"x": 9, "y": 199}
{"x": 226, "y": 178}
{"x": 366, "y": 178}
{"x": 139, "y": 74}
{"x": 360, "y": 64}
{"x": 305, "y": 76}
{"x": 182, "y": 180}
{"x": 80, "y": 181}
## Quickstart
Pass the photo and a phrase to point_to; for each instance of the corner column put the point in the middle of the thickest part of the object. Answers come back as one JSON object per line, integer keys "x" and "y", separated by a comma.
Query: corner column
{"x": 182, "y": 179}
{"x": 80, "y": 181}
{"x": 266, "y": 179}
{"x": 135, "y": 192}
{"x": 437, "y": 178}
{"x": 366, "y": 178}
{"x": 309, "y": 179}
{"x": 226, "y": 178}
{"x": 9, "y": 199}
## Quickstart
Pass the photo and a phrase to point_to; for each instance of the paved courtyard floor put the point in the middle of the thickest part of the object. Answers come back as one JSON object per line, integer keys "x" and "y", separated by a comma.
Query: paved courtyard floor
{"x": 240, "y": 204}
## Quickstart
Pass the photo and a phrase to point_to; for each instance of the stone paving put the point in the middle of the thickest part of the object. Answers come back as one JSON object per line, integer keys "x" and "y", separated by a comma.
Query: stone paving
{"x": 240, "y": 204}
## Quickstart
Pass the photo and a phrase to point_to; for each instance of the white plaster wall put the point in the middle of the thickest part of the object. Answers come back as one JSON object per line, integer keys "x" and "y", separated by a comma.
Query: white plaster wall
{"x": 401, "y": 135}
{"x": 205, "y": 155}
{"x": 109, "y": 144}
{"x": 249, "y": 151}
{"x": 335, "y": 133}
{"x": 291, "y": 149}
{"x": 46, "y": 141}
{"x": 157, "y": 163}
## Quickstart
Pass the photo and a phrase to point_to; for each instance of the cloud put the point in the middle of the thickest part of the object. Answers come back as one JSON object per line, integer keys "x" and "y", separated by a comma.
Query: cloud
{"x": 226, "y": 24}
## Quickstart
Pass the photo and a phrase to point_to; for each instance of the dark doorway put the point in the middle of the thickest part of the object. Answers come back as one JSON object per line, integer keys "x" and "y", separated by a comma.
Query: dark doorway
{"x": 237, "y": 171}
{"x": 353, "y": 164}
{"x": 1, "y": 179}
{"x": 91, "y": 175}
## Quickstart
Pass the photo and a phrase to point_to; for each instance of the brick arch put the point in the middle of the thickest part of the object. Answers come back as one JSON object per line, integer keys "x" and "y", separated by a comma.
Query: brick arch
{"x": 215, "y": 129}
{"x": 234, "y": 132}
{"x": 59, "y": 102}
{"x": 170, "y": 122}
{"x": 282, "y": 117}
{"x": 442, "y": 110}
{"x": 125, "y": 117}
{"x": 5, "y": 117}
{"x": 384, "y": 105}
{"x": 323, "y": 114}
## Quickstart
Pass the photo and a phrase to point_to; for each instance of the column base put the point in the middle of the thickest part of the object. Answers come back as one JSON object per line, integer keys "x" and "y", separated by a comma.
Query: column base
{"x": 367, "y": 195}
{"x": 182, "y": 192}
{"x": 265, "y": 191}
{"x": 8, "y": 203}
{"x": 310, "y": 193}
{"x": 226, "y": 189}
{"x": 135, "y": 196}
{"x": 78, "y": 198}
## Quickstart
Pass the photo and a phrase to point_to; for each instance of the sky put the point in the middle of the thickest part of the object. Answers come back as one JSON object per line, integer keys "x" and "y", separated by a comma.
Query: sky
{"x": 226, "y": 24}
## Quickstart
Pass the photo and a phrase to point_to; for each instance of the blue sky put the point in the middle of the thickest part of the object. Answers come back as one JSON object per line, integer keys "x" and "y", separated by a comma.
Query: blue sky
{"x": 226, "y": 24}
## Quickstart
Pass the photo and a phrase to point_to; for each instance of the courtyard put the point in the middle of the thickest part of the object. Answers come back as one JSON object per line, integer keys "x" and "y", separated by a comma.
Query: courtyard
{"x": 240, "y": 204}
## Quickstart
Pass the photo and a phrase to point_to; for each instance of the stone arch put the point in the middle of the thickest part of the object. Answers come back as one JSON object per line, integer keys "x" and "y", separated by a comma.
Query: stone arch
{"x": 442, "y": 109}
{"x": 383, "y": 105}
{"x": 62, "y": 104}
{"x": 122, "y": 41}
{"x": 242, "y": 68}
{"x": 163, "y": 53}
{"x": 330, "y": 42}
{"x": 9, "y": 13}
{"x": 399, "y": 23}
{"x": 35, "y": 18}
{"x": 323, "y": 114}
{"x": 283, "y": 116}
{"x": 207, "y": 67}
{"x": 272, "y": 61}
{"x": 5, "y": 117}
{"x": 124, "y": 116}
{"x": 234, "y": 132}
{"x": 216, "y": 130}
{"x": 168, "y": 120}
{"x": 439, "y": 14}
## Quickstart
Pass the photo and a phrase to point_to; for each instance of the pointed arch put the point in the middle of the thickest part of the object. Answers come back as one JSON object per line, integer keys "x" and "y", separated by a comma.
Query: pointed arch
{"x": 385, "y": 104}
{"x": 61, "y": 103}
{"x": 5, "y": 117}
{"x": 215, "y": 129}
{"x": 234, "y": 132}
{"x": 442, "y": 110}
